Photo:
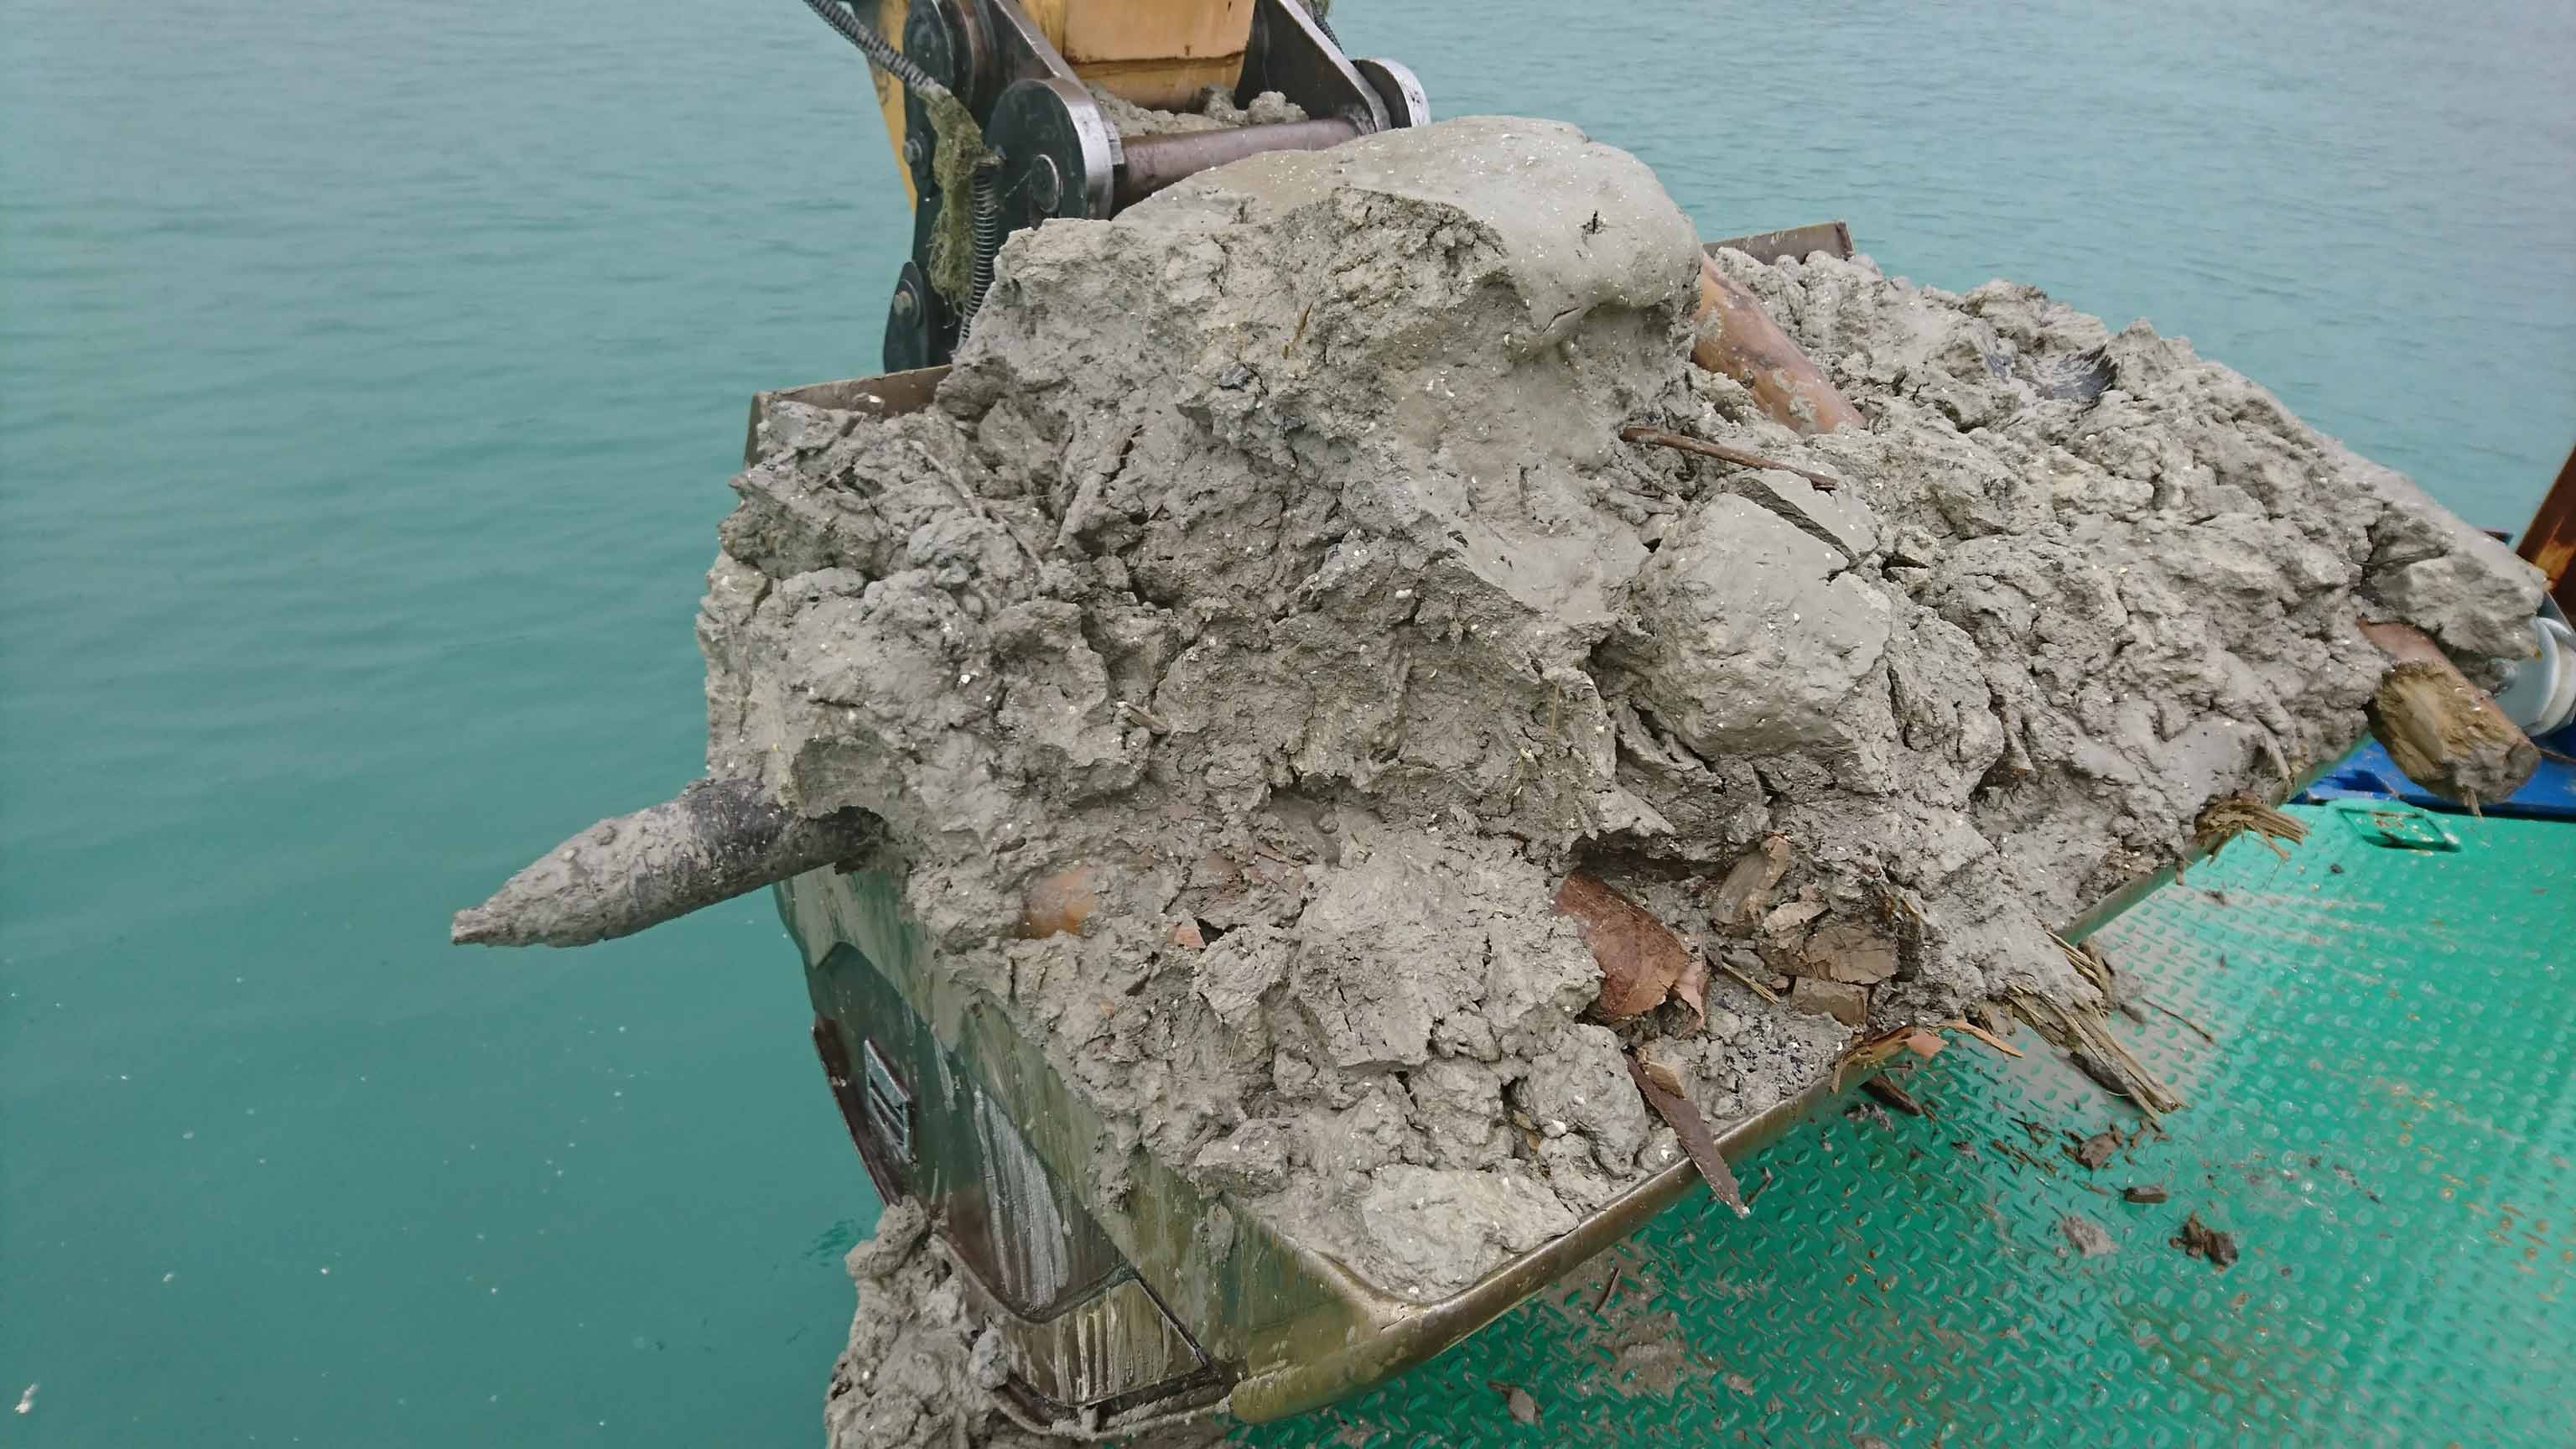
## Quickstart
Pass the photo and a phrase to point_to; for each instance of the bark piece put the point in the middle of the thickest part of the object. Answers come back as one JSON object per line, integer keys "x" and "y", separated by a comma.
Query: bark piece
{"x": 1687, "y": 1124}
{"x": 1894, "y": 1097}
{"x": 2084, "y": 1034}
{"x": 1640, "y": 957}
{"x": 2095, "y": 1150}
{"x": 1841, "y": 951}
{"x": 2199, "y": 1240}
{"x": 1745, "y": 894}
{"x": 1841, "y": 1000}
{"x": 1662, "y": 1073}
{"x": 713, "y": 841}
{"x": 1691, "y": 989}
{"x": 1788, "y": 923}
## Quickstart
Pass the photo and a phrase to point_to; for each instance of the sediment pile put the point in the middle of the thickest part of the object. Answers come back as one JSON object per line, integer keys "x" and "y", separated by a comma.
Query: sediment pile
{"x": 1270, "y": 620}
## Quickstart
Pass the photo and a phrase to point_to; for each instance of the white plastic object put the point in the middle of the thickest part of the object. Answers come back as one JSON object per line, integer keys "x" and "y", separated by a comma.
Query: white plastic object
{"x": 2540, "y": 693}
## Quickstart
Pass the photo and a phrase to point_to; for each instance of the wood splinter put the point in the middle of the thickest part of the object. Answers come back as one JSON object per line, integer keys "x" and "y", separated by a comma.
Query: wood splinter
{"x": 1666, "y": 438}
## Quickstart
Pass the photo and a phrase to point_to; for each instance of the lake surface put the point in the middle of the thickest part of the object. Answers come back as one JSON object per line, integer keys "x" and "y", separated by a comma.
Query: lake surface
{"x": 369, "y": 379}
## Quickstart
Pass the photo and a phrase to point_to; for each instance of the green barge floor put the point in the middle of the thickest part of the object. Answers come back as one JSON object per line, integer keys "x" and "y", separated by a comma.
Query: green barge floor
{"x": 2375, "y": 1038}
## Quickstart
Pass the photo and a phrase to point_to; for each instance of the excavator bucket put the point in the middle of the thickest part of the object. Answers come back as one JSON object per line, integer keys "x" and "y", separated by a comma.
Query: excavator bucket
{"x": 1159, "y": 1299}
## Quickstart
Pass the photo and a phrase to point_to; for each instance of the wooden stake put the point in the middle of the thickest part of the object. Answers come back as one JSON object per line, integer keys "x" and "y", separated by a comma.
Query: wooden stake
{"x": 716, "y": 840}
{"x": 2443, "y": 731}
{"x": 1738, "y": 338}
{"x": 1684, "y": 442}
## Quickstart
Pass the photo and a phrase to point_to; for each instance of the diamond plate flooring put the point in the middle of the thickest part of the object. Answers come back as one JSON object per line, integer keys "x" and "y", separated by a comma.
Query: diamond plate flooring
{"x": 2375, "y": 1039}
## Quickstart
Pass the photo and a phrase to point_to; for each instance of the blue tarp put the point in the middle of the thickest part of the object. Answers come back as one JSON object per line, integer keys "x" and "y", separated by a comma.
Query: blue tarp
{"x": 2368, "y": 773}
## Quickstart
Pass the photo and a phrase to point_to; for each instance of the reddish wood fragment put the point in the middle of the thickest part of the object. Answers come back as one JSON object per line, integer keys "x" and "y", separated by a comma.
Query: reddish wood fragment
{"x": 1691, "y": 989}
{"x": 1058, "y": 904}
{"x": 1640, "y": 957}
{"x": 1745, "y": 894}
{"x": 1738, "y": 338}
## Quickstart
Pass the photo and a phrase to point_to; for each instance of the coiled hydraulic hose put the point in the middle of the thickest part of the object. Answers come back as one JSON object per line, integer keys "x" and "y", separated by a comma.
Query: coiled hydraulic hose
{"x": 988, "y": 240}
{"x": 962, "y": 246}
{"x": 879, "y": 50}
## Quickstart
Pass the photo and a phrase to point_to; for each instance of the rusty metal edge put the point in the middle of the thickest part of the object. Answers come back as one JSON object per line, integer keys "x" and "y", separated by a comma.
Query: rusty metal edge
{"x": 1414, "y": 1340}
{"x": 891, "y": 394}
{"x": 2549, "y": 540}
{"x": 1771, "y": 247}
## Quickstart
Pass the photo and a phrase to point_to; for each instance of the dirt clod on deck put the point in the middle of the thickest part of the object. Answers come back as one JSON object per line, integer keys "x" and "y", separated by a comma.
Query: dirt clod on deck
{"x": 2089, "y": 1238}
{"x": 2095, "y": 1150}
{"x": 1517, "y": 1401}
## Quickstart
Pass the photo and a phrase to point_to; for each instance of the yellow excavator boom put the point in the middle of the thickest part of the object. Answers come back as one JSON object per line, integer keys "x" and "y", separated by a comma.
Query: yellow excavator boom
{"x": 1154, "y": 52}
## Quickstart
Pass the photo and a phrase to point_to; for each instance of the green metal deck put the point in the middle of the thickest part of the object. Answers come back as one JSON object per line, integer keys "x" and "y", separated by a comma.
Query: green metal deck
{"x": 2383, "y": 1116}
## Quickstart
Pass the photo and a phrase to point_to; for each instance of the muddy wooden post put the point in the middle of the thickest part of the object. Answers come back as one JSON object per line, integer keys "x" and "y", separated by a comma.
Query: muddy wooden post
{"x": 2443, "y": 731}
{"x": 717, "y": 839}
{"x": 1738, "y": 338}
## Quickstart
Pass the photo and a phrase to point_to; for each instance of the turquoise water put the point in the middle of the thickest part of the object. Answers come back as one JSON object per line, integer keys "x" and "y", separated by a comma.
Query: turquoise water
{"x": 368, "y": 381}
